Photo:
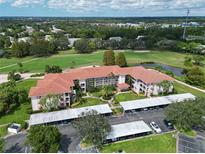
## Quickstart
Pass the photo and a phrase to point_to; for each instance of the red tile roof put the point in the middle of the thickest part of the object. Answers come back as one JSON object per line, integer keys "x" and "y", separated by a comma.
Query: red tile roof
{"x": 123, "y": 86}
{"x": 62, "y": 82}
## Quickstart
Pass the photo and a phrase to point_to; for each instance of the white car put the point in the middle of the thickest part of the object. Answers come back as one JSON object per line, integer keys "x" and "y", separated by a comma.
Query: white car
{"x": 155, "y": 127}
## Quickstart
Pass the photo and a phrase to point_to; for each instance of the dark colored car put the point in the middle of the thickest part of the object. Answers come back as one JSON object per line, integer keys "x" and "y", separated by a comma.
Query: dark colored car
{"x": 168, "y": 124}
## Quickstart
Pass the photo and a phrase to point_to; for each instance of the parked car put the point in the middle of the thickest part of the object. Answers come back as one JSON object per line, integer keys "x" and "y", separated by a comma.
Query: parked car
{"x": 168, "y": 124}
{"x": 156, "y": 128}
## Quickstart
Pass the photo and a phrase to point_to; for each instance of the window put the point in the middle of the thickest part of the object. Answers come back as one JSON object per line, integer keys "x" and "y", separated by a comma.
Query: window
{"x": 38, "y": 97}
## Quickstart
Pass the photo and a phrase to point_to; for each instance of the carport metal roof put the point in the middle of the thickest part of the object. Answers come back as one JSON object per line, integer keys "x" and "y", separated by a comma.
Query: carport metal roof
{"x": 127, "y": 129}
{"x": 69, "y": 114}
{"x": 180, "y": 97}
{"x": 155, "y": 101}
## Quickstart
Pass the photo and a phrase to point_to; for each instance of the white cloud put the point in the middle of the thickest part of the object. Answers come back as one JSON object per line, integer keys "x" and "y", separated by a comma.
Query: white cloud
{"x": 26, "y": 3}
{"x": 102, "y": 5}
{"x": 97, "y": 5}
{"x": 78, "y": 5}
{"x": 2, "y": 1}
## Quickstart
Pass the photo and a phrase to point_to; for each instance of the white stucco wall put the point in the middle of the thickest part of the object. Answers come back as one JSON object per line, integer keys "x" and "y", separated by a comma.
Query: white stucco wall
{"x": 121, "y": 79}
{"x": 35, "y": 103}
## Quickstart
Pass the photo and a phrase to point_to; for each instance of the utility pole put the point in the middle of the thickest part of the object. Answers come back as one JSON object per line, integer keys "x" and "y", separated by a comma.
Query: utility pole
{"x": 185, "y": 26}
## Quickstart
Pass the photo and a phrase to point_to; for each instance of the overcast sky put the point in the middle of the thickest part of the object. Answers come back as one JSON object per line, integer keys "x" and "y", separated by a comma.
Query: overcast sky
{"x": 101, "y": 8}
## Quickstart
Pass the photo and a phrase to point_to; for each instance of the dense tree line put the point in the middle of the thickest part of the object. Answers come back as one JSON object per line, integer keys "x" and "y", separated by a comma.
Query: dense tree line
{"x": 36, "y": 48}
{"x": 155, "y": 37}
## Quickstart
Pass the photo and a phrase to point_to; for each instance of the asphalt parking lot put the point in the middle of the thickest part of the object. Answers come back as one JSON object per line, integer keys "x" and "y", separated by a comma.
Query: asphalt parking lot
{"x": 147, "y": 116}
{"x": 191, "y": 145}
{"x": 70, "y": 140}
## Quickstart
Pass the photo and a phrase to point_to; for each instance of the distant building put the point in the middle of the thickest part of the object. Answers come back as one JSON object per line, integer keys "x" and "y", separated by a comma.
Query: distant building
{"x": 191, "y": 24}
{"x": 2, "y": 33}
{"x": 48, "y": 38}
{"x": 118, "y": 39}
{"x": 24, "y": 39}
{"x": 29, "y": 29}
{"x": 56, "y": 30}
{"x": 11, "y": 39}
{"x": 72, "y": 41}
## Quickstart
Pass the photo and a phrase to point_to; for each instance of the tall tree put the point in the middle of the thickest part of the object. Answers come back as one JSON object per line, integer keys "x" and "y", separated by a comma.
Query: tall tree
{"x": 196, "y": 76}
{"x": 109, "y": 58}
{"x": 93, "y": 128}
{"x": 53, "y": 69}
{"x": 20, "y": 49}
{"x": 121, "y": 60}
{"x": 50, "y": 102}
{"x": 187, "y": 114}
{"x": 44, "y": 139}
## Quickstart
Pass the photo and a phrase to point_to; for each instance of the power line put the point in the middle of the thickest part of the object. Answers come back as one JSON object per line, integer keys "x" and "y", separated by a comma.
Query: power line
{"x": 185, "y": 26}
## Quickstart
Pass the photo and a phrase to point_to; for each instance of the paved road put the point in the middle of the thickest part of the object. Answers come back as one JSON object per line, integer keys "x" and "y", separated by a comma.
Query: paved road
{"x": 25, "y": 76}
{"x": 16, "y": 144}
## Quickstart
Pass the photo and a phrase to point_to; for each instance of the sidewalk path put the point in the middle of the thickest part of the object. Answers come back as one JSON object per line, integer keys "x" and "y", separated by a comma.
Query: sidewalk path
{"x": 190, "y": 86}
{"x": 25, "y": 76}
{"x": 27, "y": 61}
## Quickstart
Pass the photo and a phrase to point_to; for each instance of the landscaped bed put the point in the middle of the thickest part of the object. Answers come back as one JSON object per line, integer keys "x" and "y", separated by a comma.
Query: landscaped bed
{"x": 117, "y": 111}
{"x": 128, "y": 96}
{"x": 88, "y": 102}
{"x": 165, "y": 143}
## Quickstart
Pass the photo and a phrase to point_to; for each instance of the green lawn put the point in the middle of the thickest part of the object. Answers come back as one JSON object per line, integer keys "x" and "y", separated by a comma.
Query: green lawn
{"x": 3, "y": 130}
{"x": 26, "y": 84}
{"x": 156, "y": 144}
{"x": 184, "y": 89}
{"x": 128, "y": 96}
{"x": 89, "y": 102}
{"x": 21, "y": 113}
{"x": 66, "y": 59}
{"x": 190, "y": 133}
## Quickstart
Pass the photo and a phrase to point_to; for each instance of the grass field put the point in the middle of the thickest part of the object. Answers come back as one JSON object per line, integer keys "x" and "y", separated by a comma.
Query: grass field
{"x": 3, "y": 130}
{"x": 155, "y": 144}
{"x": 21, "y": 113}
{"x": 184, "y": 89}
{"x": 69, "y": 59}
{"x": 128, "y": 96}
{"x": 89, "y": 102}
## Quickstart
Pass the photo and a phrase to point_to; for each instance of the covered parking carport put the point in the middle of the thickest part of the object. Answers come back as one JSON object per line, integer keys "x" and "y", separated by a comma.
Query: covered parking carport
{"x": 155, "y": 102}
{"x": 128, "y": 130}
{"x": 67, "y": 115}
